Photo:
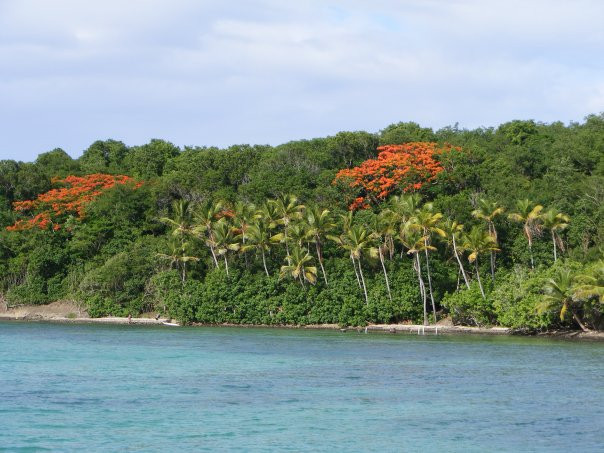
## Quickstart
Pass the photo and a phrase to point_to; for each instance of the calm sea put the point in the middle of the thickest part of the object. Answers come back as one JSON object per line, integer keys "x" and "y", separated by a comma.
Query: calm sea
{"x": 123, "y": 388}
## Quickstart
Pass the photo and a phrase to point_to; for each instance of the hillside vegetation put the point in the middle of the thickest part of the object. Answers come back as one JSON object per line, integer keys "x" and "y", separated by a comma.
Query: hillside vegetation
{"x": 489, "y": 226}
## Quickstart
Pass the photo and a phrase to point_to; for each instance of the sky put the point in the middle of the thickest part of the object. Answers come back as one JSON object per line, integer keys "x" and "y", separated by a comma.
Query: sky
{"x": 217, "y": 73}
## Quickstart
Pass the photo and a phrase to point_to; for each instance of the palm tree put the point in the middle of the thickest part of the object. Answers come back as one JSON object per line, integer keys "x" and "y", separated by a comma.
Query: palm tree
{"x": 205, "y": 217}
{"x": 320, "y": 225}
{"x": 453, "y": 231}
{"x": 244, "y": 215}
{"x": 259, "y": 235}
{"x": 428, "y": 221}
{"x": 298, "y": 266}
{"x": 381, "y": 230}
{"x": 357, "y": 242}
{"x": 268, "y": 213}
{"x": 182, "y": 224}
{"x": 487, "y": 211}
{"x": 477, "y": 242}
{"x": 223, "y": 240}
{"x": 412, "y": 238}
{"x": 591, "y": 283}
{"x": 560, "y": 295}
{"x": 529, "y": 215}
{"x": 555, "y": 221}
{"x": 179, "y": 256}
{"x": 402, "y": 208}
{"x": 288, "y": 209}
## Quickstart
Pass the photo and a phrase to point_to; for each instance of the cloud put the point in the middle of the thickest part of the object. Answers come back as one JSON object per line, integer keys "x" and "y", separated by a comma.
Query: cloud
{"x": 217, "y": 73}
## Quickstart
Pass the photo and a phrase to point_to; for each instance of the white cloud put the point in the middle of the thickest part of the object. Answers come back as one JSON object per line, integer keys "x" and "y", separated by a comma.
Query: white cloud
{"x": 269, "y": 71}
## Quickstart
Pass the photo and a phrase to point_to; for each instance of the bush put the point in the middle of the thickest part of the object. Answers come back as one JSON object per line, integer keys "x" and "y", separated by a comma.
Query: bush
{"x": 468, "y": 307}
{"x": 516, "y": 297}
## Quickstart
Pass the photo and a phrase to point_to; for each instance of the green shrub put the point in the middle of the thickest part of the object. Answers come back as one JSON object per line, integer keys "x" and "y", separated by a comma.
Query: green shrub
{"x": 468, "y": 307}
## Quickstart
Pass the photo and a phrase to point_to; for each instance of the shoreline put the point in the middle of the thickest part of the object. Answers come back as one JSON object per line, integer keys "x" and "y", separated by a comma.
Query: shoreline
{"x": 409, "y": 329}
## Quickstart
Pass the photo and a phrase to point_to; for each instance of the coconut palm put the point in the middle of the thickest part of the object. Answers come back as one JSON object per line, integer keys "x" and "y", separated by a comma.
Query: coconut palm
{"x": 320, "y": 224}
{"x": 287, "y": 209}
{"x": 591, "y": 283}
{"x": 223, "y": 240}
{"x": 179, "y": 256}
{"x": 182, "y": 229}
{"x": 298, "y": 266}
{"x": 560, "y": 295}
{"x": 414, "y": 241}
{"x": 428, "y": 221}
{"x": 404, "y": 206}
{"x": 358, "y": 243}
{"x": 529, "y": 214}
{"x": 454, "y": 231}
{"x": 244, "y": 215}
{"x": 555, "y": 221}
{"x": 205, "y": 217}
{"x": 382, "y": 229}
{"x": 268, "y": 213}
{"x": 478, "y": 242}
{"x": 259, "y": 235}
{"x": 487, "y": 210}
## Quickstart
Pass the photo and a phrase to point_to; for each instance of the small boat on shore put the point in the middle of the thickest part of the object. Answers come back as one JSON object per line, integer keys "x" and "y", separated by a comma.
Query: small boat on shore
{"x": 171, "y": 324}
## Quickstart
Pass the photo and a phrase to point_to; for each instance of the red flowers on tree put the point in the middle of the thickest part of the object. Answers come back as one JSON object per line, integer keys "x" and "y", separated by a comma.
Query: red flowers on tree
{"x": 70, "y": 199}
{"x": 407, "y": 167}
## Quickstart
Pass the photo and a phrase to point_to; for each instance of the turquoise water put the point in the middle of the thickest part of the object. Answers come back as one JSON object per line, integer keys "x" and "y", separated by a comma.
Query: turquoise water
{"x": 125, "y": 388}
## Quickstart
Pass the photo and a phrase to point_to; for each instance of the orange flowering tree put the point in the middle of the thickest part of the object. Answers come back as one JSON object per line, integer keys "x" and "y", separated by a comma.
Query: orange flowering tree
{"x": 407, "y": 167}
{"x": 49, "y": 209}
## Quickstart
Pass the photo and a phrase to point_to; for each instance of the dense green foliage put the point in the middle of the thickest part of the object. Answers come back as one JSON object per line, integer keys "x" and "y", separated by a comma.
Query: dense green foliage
{"x": 212, "y": 236}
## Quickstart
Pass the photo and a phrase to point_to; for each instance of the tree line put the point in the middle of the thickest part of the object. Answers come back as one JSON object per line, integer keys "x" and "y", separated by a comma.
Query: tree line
{"x": 499, "y": 226}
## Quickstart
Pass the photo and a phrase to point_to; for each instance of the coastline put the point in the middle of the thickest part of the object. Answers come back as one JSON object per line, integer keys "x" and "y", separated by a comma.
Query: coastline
{"x": 32, "y": 314}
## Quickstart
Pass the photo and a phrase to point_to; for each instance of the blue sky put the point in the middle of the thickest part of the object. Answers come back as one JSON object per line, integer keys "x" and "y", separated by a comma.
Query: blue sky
{"x": 218, "y": 73}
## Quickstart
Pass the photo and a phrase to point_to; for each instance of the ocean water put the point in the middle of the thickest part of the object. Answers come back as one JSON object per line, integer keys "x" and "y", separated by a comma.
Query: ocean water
{"x": 126, "y": 388}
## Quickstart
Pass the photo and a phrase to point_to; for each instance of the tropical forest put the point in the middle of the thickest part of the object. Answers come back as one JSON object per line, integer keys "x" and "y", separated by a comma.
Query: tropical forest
{"x": 498, "y": 226}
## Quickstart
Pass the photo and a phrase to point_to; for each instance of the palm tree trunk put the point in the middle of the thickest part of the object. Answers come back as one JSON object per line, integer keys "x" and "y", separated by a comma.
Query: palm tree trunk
{"x": 285, "y": 240}
{"x": 247, "y": 265}
{"x": 320, "y": 257}
{"x": 493, "y": 234}
{"x": 554, "y": 241}
{"x": 264, "y": 263}
{"x": 385, "y": 273}
{"x": 226, "y": 264}
{"x": 184, "y": 272}
{"x": 354, "y": 264}
{"x": 363, "y": 280}
{"x": 492, "y": 265}
{"x": 578, "y": 320}
{"x": 463, "y": 272}
{"x": 214, "y": 256}
{"x": 422, "y": 286}
{"x": 478, "y": 278}
{"x": 430, "y": 280}
{"x": 530, "y": 245}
